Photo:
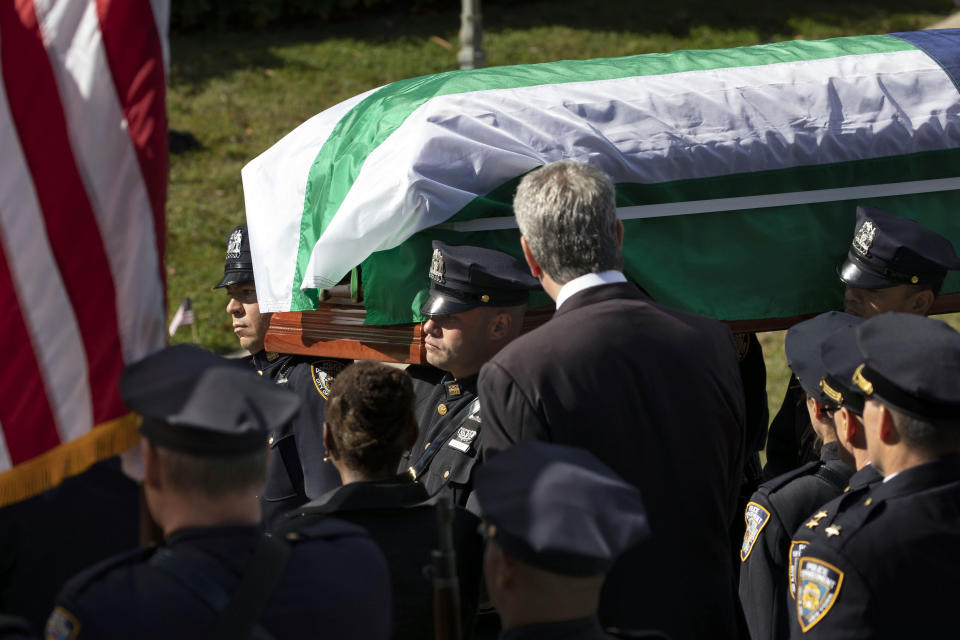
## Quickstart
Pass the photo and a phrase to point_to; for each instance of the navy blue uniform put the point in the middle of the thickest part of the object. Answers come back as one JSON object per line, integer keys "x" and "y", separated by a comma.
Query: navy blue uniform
{"x": 774, "y": 512}
{"x": 297, "y": 472}
{"x": 335, "y": 585}
{"x": 656, "y": 395}
{"x": 582, "y": 629}
{"x": 401, "y": 519}
{"x": 448, "y": 414}
{"x": 882, "y": 562}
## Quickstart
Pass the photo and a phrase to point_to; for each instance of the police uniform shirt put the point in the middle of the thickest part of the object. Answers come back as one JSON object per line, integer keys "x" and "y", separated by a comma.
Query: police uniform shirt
{"x": 772, "y": 515}
{"x": 402, "y": 520}
{"x": 883, "y": 563}
{"x": 336, "y": 584}
{"x": 581, "y": 629}
{"x": 296, "y": 470}
{"x": 448, "y": 413}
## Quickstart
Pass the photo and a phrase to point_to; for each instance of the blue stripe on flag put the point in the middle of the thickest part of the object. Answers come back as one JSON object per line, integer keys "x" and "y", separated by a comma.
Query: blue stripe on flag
{"x": 943, "y": 45}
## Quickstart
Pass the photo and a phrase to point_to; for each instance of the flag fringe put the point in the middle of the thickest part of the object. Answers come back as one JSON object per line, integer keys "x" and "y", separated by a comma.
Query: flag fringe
{"x": 71, "y": 458}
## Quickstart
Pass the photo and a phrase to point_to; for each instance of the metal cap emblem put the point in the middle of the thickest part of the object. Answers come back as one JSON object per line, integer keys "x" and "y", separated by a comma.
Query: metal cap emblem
{"x": 436, "y": 267}
{"x": 233, "y": 245}
{"x": 863, "y": 239}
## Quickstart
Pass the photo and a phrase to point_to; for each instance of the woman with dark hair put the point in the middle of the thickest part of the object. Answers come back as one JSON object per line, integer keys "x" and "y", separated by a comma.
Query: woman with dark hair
{"x": 369, "y": 425}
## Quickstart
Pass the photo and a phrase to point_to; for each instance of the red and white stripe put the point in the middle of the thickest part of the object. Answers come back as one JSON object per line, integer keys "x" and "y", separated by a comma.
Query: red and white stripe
{"x": 83, "y": 178}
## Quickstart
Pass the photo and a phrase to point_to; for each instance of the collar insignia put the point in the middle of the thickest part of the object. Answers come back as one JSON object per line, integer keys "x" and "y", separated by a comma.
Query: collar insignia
{"x": 233, "y": 244}
{"x": 453, "y": 389}
{"x": 436, "y": 267}
{"x": 864, "y": 237}
{"x": 832, "y": 530}
{"x": 819, "y": 587}
{"x": 756, "y": 518}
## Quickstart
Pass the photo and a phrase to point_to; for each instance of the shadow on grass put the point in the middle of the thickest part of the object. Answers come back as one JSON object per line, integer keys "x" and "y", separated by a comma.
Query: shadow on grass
{"x": 199, "y": 57}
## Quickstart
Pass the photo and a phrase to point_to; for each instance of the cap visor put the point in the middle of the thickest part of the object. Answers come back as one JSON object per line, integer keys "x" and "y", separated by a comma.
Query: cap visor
{"x": 234, "y": 277}
{"x": 439, "y": 304}
{"x": 853, "y": 275}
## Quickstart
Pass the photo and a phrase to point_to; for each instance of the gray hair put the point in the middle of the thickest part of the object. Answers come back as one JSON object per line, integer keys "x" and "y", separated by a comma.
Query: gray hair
{"x": 567, "y": 212}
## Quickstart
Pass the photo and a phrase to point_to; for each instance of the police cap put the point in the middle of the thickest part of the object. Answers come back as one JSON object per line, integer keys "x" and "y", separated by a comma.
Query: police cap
{"x": 912, "y": 364}
{"x": 841, "y": 357}
{"x": 888, "y": 250}
{"x": 197, "y": 402}
{"x": 239, "y": 261}
{"x": 802, "y": 348}
{"x": 558, "y": 508}
{"x": 463, "y": 278}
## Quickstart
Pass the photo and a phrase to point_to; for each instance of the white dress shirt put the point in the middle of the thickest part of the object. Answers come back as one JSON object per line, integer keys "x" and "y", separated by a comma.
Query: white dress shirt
{"x": 587, "y": 281}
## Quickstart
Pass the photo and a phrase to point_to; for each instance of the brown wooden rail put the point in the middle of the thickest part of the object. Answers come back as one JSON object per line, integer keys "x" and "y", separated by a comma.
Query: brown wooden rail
{"x": 336, "y": 330}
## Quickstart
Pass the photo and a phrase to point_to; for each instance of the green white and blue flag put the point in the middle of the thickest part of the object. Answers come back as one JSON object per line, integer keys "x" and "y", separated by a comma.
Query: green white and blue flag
{"x": 738, "y": 171}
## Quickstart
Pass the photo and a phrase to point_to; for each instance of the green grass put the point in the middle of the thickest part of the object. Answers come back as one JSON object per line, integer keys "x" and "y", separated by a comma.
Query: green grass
{"x": 238, "y": 93}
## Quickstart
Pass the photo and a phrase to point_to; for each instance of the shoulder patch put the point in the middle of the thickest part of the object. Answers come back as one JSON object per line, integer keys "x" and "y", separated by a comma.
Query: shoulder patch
{"x": 756, "y": 518}
{"x": 797, "y": 548}
{"x": 61, "y": 625}
{"x": 818, "y": 587}
{"x": 323, "y": 372}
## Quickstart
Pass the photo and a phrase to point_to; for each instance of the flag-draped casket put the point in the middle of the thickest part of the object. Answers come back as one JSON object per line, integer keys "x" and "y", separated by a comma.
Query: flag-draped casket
{"x": 83, "y": 178}
{"x": 738, "y": 171}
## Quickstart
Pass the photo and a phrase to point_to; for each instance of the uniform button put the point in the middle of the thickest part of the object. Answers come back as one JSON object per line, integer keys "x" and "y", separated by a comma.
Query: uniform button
{"x": 293, "y": 535}
{"x": 446, "y": 474}
{"x": 270, "y": 440}
{"x": 442, "y": 409}
{"x": 868, "y": 502}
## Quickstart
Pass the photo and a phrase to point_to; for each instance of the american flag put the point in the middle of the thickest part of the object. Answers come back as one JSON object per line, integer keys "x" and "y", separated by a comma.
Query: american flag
{"x": 182, "y": 317}
{"x": 83, "y": 182}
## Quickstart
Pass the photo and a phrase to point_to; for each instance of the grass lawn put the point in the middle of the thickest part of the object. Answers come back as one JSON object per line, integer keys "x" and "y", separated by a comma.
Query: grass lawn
{"x": 238, "y": 93}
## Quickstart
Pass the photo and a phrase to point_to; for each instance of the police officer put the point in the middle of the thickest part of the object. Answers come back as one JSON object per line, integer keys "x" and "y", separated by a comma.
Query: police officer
{"x": 780, "y": 505}
{"x": 297, "y": 470}
{"x": 893, "y": 264}
{"x": 840, "y": 358}
{"x": 882, "y": 560}
{"x": 555, "y": 519}
{"x": 205, "y": 425}
{"x": 475, "y": 308}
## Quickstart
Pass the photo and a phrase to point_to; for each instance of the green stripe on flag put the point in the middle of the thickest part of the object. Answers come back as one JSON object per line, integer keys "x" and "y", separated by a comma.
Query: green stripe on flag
{"x": 737, "y": 265}
{"x": 376, "y": 118}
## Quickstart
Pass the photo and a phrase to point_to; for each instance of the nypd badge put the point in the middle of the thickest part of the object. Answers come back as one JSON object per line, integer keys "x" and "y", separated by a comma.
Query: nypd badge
{"x": 323, "y": 372}
{"x": 863, "y": 239}
{"x": 61, "y": 625}
{"x": 756, "y": 518}
{"x": 436, "y": 267}
{"x": 796, "y": 550}
{"x": 818, "y": 586}
{"x": 233, "y": 244}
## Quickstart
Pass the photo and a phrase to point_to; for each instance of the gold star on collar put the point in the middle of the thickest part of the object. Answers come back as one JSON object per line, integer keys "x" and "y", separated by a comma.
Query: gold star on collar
{"x": 832, "y": 530}
{"x": 815, "y": 519}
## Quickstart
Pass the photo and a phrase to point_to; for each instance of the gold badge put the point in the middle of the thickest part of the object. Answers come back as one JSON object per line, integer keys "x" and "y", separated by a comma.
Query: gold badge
{"x": 442, "y": 409}
{"x": 818, "y": 589}
{"x": 756, "y": 518}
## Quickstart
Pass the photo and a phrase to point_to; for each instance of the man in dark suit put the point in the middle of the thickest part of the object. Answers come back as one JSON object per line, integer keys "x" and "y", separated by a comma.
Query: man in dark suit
{"x": 653, "y": 392}
{"x": 881, "y": 562}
